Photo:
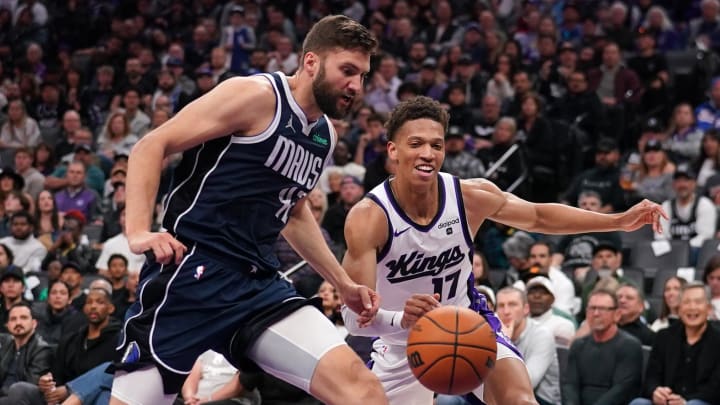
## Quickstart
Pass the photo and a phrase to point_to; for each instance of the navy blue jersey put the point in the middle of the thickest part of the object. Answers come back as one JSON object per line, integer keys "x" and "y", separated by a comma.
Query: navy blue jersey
{"x": 233, "y": 195}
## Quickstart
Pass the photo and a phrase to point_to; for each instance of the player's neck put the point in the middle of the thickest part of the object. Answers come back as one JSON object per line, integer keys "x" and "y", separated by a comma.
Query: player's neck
{"x": 301, "y": 89}
{"x": 420, "y": 204}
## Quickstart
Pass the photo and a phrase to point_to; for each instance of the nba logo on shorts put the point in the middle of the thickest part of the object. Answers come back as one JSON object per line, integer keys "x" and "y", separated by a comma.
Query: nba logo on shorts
{"x": 199, "y": 270}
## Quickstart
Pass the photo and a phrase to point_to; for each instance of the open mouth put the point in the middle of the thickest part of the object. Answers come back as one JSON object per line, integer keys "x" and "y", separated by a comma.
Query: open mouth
{"x": 427, "y": 169}
{"x": 347, "y": 99}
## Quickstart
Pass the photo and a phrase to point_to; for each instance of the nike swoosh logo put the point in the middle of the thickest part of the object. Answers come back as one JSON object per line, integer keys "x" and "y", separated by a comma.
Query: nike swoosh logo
{"x": 398, "y": 233}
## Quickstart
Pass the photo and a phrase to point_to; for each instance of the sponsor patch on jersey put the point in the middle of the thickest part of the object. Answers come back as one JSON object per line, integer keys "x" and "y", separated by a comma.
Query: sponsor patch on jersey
{"x": 451, "y": 222}
{"x": 319, "y": 140}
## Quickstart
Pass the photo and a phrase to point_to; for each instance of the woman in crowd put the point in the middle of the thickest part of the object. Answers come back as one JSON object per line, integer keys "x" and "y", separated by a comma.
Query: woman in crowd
{"x": 56, "y": 317}
{"x": 712, "y": 279}
{"x": 671, "y": 303}
{"x": 707, "y": 164}
{"x": 331, "y": 304}
{"x": 48, "y": 219}
{"x": 654, "y": 179}
{"x": 116, "y": 139}
{"x": 20, "y": 129}
{"x": 684, "y": 137}
{"x": 44, "y": 159}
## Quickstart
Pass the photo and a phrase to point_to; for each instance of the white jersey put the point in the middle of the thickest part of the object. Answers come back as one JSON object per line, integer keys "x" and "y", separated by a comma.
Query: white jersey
{"x": 424, "y": 259}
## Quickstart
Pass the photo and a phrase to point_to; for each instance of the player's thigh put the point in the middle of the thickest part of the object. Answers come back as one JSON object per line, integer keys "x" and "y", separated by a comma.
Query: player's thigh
{"x": 139, "y": 387}
{"x": 306, "y": 350}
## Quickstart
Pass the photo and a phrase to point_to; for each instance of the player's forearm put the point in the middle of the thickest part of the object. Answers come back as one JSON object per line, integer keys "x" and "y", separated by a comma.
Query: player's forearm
{"x": 385, "y": 323}
{"x": 303, "y": 234}
{"x": 143, "y": 179}
{"x": 563, "y": 219}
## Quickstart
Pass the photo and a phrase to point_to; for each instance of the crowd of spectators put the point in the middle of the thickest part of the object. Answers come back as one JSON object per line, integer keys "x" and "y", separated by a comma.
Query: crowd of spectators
{"x": 592, "y": 103}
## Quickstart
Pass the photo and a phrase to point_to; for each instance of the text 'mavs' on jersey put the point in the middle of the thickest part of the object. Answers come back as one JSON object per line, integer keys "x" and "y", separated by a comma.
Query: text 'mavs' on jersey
{"x": 424, "y": 259}
{"x": 233, "y": 195}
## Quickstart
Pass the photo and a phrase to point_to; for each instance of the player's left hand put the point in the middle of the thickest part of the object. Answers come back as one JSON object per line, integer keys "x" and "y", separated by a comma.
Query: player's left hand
{"x": 361, "y": 300}
{"x": 416, "y": 306}
{"x": 643, "y": 213}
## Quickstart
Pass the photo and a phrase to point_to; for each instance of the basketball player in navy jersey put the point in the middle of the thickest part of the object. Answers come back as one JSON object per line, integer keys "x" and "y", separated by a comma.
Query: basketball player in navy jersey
{"x": 411, "y": 240}
{"x": 253, "y": 148}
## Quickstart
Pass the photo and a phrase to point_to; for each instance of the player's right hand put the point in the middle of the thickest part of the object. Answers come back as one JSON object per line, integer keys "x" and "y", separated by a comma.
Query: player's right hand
{"x": 164, "y": 247}
{"x": 416, "y": 306}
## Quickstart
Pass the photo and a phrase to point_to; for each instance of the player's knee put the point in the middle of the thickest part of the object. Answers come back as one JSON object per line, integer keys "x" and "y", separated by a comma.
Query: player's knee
{"x": 365, "y": 385}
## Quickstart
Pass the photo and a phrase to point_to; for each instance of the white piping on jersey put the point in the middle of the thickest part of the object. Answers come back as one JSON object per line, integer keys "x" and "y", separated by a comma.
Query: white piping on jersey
{"x": 140, "y": 299}
{"x": 306, "y": 128}
{"x": 333, "y": 142}
{"x": 270, "y": 130}
{"x": 157, "y": 310}
{"x": 192, "y": 172}
{"x": 202, "y": 184}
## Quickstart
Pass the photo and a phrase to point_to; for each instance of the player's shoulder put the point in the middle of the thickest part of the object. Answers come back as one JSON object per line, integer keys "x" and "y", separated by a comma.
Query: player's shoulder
{"x": 480, "y": 189}
{"x": 250, "y": 87}
{"x": 367, "y": 209}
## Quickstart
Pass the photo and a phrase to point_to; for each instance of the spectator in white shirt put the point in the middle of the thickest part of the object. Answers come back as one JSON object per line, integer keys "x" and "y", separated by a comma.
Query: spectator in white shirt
{"x": 118, "y": 244}
{"x": 692, "y": 217}
{"x": 28, "y": 252}
{"x": 535, "y": 342}
{"x": 541, "y": 296}
{"x": 564, "y": 290}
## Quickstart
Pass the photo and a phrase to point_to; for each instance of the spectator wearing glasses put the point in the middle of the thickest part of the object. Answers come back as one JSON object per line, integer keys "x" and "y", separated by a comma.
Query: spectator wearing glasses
{"x": 605, "y": 366}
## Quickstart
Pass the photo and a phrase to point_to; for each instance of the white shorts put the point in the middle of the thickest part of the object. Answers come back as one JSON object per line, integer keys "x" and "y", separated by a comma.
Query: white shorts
{"x": 399, "y": 383}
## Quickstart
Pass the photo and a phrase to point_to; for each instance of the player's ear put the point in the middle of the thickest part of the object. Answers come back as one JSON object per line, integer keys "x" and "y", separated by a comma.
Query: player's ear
{"x": 311, "y": 63}
{"x": 392, "y": 151}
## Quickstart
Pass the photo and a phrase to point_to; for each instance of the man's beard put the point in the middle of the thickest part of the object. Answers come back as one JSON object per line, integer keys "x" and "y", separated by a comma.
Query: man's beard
{"x": 327, "y": 98}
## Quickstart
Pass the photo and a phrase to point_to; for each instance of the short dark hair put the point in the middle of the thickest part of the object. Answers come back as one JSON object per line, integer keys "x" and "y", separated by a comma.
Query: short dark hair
{"x": 338, "y": 31}
{"x": 23, "y": 214}
{"x": 24, "y": 305}
{"x": 117, "y": 256}
{"x": 415, "y": 109}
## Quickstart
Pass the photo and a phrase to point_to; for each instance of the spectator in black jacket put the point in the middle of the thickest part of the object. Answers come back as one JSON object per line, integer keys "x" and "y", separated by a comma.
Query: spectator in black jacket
{"x": 604, "y": 178}
{"x": 684, "y": 364}
{"x": 85, "y": 349}
{"x": 24, "y": 356}
{"x": 579, "y": 106}
{"x": 56, "y": 317}
{"x": 12, "y": 287}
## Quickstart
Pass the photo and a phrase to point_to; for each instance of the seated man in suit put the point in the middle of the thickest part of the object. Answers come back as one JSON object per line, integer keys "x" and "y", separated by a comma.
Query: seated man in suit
{"x": 684, "y": 364}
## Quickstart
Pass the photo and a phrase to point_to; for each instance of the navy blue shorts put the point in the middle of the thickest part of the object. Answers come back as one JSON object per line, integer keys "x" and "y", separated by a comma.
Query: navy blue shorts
{"x": 184, "y": 310}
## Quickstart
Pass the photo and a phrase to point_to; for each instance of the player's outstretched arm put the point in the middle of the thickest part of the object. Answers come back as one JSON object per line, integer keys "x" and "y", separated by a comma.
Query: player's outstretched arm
{"x": 366, "y": 231}
{"x": 238, "y": 105}
{"x": 484, "y": 200}
{"x": 303, "y": 234}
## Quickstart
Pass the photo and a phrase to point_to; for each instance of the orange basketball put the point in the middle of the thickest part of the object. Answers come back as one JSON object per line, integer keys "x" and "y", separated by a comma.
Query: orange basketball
{"x": 451, "y": 350}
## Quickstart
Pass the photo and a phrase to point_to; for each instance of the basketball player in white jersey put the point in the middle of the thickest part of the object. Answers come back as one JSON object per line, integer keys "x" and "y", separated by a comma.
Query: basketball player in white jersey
{"x": 411, "y": 240}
